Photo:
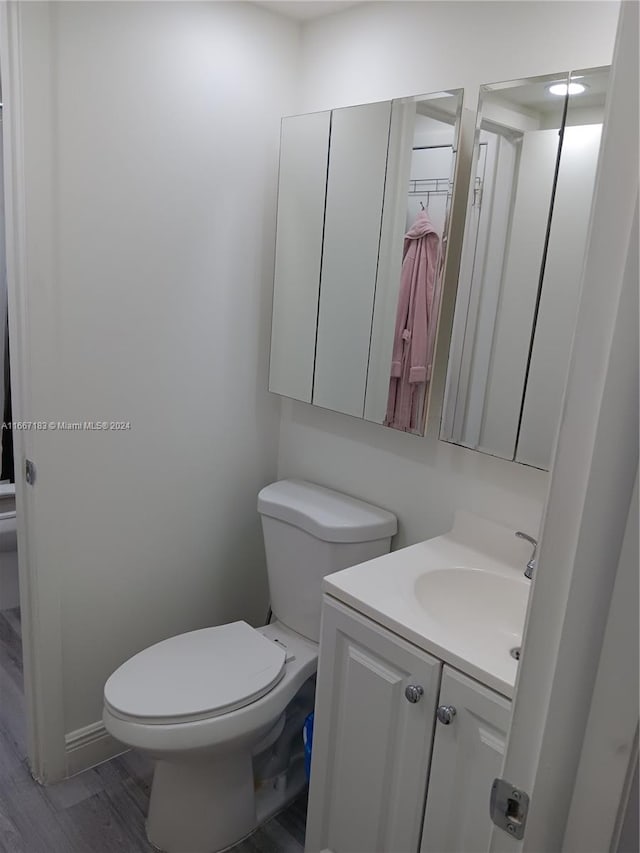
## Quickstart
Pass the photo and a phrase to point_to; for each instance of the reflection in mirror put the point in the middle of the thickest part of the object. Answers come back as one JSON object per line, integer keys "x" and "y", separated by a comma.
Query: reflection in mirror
{"x": 527, "y": 217}
{"x": 558, "y": 300}
{"x": 421, "y": 165}
{"x": 363, "y": 208}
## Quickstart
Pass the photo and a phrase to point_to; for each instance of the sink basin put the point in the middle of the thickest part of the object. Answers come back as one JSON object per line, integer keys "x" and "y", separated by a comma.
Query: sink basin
{"x": 476, "y": 602}
{"x": 461, "y": 597}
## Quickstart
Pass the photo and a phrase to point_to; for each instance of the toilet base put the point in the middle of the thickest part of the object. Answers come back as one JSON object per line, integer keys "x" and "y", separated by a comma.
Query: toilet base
{"x": 202, "y": 806}
{"x": 272, "y": 799}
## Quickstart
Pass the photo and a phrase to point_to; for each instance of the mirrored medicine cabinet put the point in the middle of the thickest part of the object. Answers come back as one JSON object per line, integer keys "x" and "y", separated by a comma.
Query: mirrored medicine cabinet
{"x": 364, "y": 198}
{"x": 364, "y": 205}
{"x": 535, "y": 157}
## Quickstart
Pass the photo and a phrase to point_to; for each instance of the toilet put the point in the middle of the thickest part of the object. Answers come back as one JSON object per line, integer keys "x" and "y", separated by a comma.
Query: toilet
{"x": 221, "y": 709}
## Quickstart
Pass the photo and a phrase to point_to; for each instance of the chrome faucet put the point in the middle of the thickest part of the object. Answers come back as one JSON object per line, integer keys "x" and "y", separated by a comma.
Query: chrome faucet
{"x": 528, "y": 572}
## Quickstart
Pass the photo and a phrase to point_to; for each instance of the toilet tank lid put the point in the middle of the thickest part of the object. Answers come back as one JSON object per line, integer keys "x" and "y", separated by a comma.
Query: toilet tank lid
{"x": 325, "y": 514}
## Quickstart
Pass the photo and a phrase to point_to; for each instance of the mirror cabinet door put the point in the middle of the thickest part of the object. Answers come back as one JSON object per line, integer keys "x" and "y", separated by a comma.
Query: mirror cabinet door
{"x": 304, "y": 149}
{"x": 421, "y": 165}
{"x": 363, "y": 210}
{"x": 524, "y": 242}
{"x": 355, "y": 191}
{"x": 560, "y": 291}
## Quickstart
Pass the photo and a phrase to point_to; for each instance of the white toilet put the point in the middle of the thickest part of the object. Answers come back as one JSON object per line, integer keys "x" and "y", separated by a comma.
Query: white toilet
{"x": 221, "y": 709}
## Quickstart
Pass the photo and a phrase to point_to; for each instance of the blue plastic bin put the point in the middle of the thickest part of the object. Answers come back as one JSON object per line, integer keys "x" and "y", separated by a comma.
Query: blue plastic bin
{"x": 307, "y": 739}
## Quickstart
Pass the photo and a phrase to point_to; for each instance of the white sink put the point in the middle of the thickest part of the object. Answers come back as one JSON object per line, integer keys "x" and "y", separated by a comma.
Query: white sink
{"x": 485, "y": 604}
{"x": 461, "y": 597}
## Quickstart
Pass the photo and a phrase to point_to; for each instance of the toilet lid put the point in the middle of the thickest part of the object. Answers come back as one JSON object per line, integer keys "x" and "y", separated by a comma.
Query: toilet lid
{"x": 196, "y": 675}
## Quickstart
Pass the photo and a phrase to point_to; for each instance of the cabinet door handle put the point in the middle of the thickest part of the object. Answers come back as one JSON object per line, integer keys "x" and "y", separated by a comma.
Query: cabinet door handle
{"x": 413, "y": 693}
{"x": 445, "y": 714}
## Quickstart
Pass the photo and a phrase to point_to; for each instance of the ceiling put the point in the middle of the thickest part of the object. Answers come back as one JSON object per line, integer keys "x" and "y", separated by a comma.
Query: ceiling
{"x": 306, "y": 10}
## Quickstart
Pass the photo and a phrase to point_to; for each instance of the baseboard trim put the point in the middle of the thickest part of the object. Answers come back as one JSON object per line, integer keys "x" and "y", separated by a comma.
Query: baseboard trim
{"x": 88, "y": 746}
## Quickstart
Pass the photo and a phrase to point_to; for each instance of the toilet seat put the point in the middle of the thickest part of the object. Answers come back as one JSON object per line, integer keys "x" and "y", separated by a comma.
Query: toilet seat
{"x": 196, "y": 676}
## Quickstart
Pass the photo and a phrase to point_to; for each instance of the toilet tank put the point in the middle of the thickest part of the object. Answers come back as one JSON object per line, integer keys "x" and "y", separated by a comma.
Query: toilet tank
{"x": 310, "y": 532}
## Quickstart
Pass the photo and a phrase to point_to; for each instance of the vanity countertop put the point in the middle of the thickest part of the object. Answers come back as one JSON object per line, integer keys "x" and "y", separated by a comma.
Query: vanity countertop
{"x": 461, "y": 597}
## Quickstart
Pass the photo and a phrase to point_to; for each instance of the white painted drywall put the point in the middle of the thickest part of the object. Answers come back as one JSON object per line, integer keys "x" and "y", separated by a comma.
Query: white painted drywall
{"x": 155, "y": 126}
{"x": 394, "y": 49}
{"x": 388, "y": 50}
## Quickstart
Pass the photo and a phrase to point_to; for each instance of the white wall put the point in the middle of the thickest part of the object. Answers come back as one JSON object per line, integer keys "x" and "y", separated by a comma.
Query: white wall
{"x": 386, "y": 50}
{"x": 151, "y": 160}
{"x": 393, "y": 49}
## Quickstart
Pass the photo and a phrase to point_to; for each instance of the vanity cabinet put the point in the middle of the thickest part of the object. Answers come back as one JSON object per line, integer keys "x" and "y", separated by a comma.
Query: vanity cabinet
{"x": 371, "y": 745}
{"x": 467, "y": 757}
{"x": 381, "y": 750}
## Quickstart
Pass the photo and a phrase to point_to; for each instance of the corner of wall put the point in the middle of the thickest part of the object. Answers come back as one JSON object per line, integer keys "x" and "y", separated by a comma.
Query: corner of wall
{"x": 88, "y": 746}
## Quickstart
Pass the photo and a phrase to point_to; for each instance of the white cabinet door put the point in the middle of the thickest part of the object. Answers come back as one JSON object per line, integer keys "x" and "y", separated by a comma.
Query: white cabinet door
{"x": 304, "y": 149}
{"x": 371, "y": 745}
{"x": 467, "y": 756}
{"x": 355, "y": 191}
{"x": 561, "y": 288}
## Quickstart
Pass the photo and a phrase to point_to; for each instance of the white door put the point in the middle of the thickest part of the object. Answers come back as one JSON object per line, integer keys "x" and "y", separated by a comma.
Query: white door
{"x": 592, "y": 481}
{"x": 371, "y": 744}
{"x": 467, "y": 757}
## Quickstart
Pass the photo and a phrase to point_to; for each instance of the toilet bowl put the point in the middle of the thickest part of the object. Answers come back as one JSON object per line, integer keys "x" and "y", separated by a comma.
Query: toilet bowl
{"x": 220, "y": 710}
{"x": 204, "y": 744}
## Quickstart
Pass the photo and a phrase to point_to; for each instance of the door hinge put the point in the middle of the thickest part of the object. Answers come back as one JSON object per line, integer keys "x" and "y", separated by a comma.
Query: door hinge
{"x": 509, "y": 807}
{"x": 29, "y": 472}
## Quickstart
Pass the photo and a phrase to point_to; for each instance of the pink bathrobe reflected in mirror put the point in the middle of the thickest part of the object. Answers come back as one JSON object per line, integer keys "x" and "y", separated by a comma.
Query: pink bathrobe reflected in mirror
{"x": 416, "y": 319}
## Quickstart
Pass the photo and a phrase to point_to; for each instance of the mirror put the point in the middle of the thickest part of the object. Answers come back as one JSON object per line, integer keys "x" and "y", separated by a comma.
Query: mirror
{"x": 421, "y": 170}
{"x": 353, "y": 328}
{"x": 535, "y": 157}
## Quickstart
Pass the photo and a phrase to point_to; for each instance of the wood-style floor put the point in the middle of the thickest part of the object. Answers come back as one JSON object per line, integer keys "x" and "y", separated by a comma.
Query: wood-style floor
{"x": 99, "y": 811}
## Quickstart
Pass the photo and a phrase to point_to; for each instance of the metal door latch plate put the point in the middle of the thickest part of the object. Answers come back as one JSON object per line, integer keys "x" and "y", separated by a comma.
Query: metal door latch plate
{"x": 509, "y": 807}
{"x": 29, "y": 472}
